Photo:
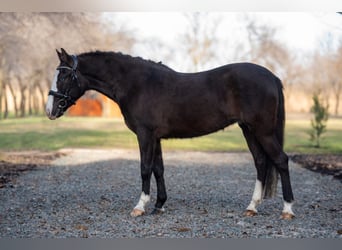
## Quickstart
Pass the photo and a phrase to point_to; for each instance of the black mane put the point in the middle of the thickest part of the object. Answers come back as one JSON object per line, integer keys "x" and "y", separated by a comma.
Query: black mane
{"x": 124, "y": 57}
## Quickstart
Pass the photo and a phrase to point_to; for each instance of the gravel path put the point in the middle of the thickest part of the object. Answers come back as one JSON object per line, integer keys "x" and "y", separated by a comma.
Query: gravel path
{"x": 90, "y": 193}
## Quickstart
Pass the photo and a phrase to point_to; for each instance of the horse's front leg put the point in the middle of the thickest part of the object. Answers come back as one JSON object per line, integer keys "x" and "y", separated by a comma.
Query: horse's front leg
{"x": 158, "y": 171}
{"x": 147, "y": 146}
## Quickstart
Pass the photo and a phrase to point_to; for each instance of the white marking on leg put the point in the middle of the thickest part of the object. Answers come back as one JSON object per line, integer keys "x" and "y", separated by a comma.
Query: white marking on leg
{"x": 288, "y": 208}
{"x": 257, "y": 196}
{"x": 162, "y": 209}
{"x": 144, "y": 199}
{"x": 49, "y": 103}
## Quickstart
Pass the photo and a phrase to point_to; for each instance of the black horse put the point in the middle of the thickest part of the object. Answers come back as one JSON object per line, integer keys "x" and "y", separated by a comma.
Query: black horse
{"x": 158, "y": 102}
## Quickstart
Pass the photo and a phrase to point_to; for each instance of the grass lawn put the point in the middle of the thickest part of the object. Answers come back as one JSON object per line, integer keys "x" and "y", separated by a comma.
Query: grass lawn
{"x": 39, "y": 133}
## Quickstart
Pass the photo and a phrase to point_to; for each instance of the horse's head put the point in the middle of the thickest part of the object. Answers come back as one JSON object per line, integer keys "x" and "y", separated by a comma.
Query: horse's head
{"x": 66, "y": 87}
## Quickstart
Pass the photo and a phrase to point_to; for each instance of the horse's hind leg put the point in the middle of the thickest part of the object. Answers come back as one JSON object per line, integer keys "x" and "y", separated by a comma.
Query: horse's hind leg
{"x": 273, "y": 149}
{"x": 259, "y": 157}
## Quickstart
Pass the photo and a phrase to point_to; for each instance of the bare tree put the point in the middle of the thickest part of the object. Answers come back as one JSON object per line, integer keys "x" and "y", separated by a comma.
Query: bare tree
{"x": 271, "y": 53}
{"x": 9, "y": 53}
{"x": 334, "y": 69}
{"x": 326, "y": 71}
{"x": 27, "y": 52}
{"x": 338, "y": 85}
{"x": 200, "y": 38}
{"x": 264, "y": 48}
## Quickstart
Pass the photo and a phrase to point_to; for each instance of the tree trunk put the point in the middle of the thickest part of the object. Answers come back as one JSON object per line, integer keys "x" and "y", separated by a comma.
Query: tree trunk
{"x": 23, "y": 98}
{"x": 5, "y": 104}
{"x": 337, "y": 91}
{"x": 22, "y": 102}
{"x": 35, "y": 99}
{"x": 1, "y": 95}
{"x": 30, "y": 96}
{"x": 16, "y": 111}
{"x": 42, "y": 94}
{"x": 337, "y": 103}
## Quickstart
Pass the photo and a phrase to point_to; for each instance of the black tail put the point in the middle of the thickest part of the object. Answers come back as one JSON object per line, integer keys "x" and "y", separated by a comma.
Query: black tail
{"x": 271, "y": 172}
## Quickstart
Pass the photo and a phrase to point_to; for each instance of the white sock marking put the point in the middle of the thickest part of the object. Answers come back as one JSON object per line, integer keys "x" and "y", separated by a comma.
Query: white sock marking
{"x": 49, "y": 103}
{"x": 257, "y": 196}
{"x": 144, "y": 199}
{"x": 288, "y": 208}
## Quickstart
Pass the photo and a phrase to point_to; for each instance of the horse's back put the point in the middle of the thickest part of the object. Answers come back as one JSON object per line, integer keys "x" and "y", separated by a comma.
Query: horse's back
{"x": 188, "y": 105}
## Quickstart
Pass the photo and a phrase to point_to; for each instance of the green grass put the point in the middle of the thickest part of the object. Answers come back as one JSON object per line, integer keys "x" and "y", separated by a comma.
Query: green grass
{"x": 297, "y": 137}
{"x": 39, "y": 133}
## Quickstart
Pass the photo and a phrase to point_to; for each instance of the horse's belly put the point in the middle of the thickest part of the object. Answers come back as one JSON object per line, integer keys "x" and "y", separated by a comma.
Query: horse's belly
{"x": 188, "y": 128}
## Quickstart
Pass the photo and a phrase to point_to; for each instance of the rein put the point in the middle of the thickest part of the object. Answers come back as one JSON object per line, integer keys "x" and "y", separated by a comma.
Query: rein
{"x": 66, "y": 99}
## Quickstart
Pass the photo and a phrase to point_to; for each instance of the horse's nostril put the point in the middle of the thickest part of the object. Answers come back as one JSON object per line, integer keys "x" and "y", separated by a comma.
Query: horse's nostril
{"x": 49, "y": 115}
{"x": 48, "y": 112}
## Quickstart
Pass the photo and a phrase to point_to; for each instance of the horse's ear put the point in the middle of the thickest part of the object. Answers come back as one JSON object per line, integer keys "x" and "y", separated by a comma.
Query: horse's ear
{"x": 59, "y": 54}
{"x": 64, "y": 57}
{"x": 64, "y": 52}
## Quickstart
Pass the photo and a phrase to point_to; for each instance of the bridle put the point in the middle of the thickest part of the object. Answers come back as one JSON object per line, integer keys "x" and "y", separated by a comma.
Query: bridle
{"x": 64, "y": 98}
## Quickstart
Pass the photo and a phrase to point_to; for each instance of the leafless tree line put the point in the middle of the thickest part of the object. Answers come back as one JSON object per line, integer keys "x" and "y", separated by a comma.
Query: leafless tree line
{"x": 320, "y": 72}
{"x": 27, "y": 53}
{"x": 28, "y": 40}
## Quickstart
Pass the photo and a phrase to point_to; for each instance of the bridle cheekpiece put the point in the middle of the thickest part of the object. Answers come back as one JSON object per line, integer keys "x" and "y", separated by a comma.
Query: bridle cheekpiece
{"x": 65, "y": 98}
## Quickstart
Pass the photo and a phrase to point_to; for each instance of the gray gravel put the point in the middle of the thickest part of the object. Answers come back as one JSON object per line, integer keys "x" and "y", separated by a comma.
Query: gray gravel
{"x": 90, "y": 193}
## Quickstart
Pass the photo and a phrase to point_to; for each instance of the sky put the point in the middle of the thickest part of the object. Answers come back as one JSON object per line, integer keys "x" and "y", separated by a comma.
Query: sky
{"x": 302, "y": 32}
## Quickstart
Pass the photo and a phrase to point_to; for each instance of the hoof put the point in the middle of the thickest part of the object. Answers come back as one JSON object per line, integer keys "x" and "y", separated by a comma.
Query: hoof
{"x": 157, "y": 211}
{"x": 250, "y": 213}
{"x": 137, "y": 212}
{"x": 287, "y": 216}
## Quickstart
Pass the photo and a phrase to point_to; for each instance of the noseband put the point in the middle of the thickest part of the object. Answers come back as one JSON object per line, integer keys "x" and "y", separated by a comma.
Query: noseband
{"x": 65, "y": 98}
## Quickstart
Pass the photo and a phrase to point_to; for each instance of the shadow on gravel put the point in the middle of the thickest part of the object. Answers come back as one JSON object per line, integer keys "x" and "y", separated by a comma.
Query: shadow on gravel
{"x": 324, "y": 164}
{"x": 15, "y": 163}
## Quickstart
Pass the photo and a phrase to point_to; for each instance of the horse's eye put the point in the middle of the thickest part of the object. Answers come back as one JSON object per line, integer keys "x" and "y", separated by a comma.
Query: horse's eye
{"x": 62, "y": 104}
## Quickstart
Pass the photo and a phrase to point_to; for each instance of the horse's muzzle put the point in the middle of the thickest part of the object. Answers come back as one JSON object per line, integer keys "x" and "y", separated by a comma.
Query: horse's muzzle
{"x": 51, "y": 116}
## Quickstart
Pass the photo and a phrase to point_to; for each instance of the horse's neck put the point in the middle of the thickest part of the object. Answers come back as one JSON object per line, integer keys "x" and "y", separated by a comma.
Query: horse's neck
{"x": 106, "y": 79}
{"x": 101, "y": 86}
